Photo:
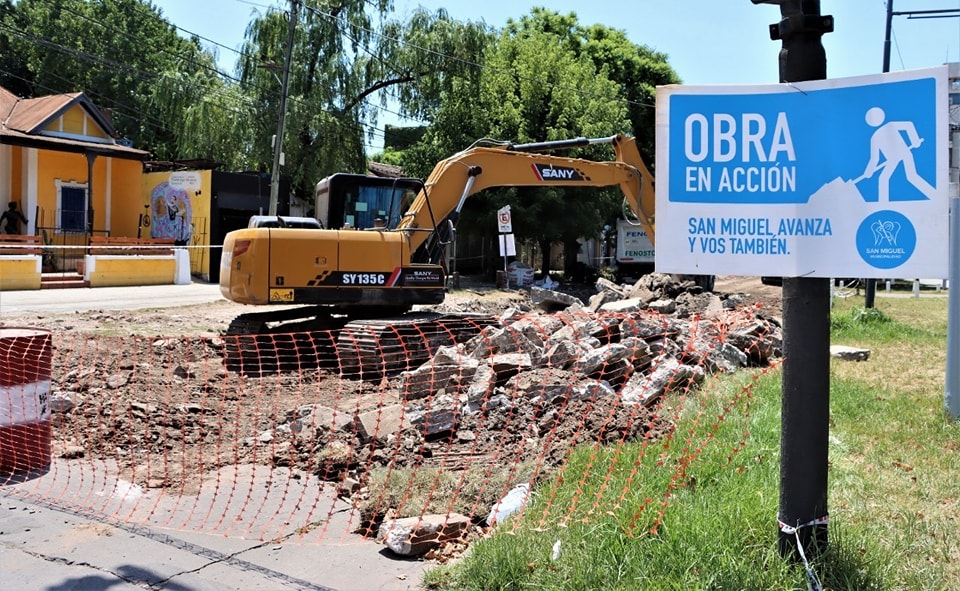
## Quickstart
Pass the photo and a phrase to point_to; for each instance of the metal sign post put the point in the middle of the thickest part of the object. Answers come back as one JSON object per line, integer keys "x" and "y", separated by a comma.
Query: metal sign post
{"x": 952, "y": 390}
{"x": 507, "y": 244}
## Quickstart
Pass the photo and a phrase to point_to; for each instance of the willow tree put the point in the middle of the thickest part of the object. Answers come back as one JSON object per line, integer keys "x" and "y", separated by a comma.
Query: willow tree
{"x": 347, "y": 61}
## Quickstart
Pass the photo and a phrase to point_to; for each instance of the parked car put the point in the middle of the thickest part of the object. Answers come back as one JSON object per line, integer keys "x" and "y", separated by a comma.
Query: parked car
{"x": 277, "y": 221}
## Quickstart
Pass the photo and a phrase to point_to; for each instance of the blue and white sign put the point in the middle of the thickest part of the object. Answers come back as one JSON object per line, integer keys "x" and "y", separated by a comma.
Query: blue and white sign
{"x": 832, "y": 178}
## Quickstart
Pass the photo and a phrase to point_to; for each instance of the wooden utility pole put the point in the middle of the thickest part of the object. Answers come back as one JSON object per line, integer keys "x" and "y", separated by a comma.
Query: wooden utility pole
{"x": 284, "y": 83}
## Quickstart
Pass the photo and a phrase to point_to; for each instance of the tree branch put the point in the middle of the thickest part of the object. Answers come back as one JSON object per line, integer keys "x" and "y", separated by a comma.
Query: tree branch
{"x": 379, "y": 86}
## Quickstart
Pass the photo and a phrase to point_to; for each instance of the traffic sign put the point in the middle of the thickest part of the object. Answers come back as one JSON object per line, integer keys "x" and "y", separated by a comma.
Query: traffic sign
{"x": 504, "y": 223}
{"x": 830, "y": 178}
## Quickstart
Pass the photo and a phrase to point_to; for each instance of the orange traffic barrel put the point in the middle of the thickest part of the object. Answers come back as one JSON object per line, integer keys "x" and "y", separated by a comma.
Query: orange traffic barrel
{"x": 26, "y": 361}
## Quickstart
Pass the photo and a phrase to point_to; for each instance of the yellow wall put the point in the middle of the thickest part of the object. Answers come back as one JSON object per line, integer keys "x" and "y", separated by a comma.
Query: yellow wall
{"x": 20, "y": 272}
{"x": 68, "y": 168}
{"x": 73, "y": 122}
{"x": 131, "y": 270}
{"x": 126, "y": 197}
{"x": 70, "y": 122}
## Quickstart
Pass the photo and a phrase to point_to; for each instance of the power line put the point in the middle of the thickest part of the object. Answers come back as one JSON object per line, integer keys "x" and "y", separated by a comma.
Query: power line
{"x": 262, "y": 89}
{"x": 160, "y": 49}
{"x": 117, "y": 66}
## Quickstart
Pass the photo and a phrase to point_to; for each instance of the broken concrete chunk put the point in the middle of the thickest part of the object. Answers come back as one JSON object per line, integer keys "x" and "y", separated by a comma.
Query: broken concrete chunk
{"x": 545, "y": 384}
{"x": 482, "y": 384}
{"x": 605, "y": 285}
{"x": 413, "y": 536}
{"x": 313, "y": 416}
{"x": 591, "y": 390}
{"x": 599, "y": 300}
{"x": 435, "y": 421}
{"x": 449, "y": 355}
{"x": 623, "y": 306}
{"x": 667, "y": 306}
{"x": 595, "y": 359}
{"x": 849, "y": 353}
{"x": 635, "y": 326}
{"x": 380, "y": 423}
{"x": 638, "y": 351}
{"x": 606, "y": 328}
{"x": 509, "y": 364}
{"x": 548, "y": 299}
{"x": 537, "y": 328}
{"x": 493, "y": 340}
{"x": 563, "y": 354}
{"x": 668, "y": 375}
{"x": 428, "y": 379}
{"x": 727, "y": 358}
{"x": 564, "y": 334}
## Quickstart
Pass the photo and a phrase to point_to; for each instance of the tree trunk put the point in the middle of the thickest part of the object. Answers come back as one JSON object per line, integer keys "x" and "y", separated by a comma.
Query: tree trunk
{"x": 571, "y": 248}
{"x": 544, "y": 257}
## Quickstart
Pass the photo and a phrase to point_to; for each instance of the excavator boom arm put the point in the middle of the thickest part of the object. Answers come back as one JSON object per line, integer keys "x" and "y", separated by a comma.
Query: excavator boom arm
{"x": 515, "y": 165}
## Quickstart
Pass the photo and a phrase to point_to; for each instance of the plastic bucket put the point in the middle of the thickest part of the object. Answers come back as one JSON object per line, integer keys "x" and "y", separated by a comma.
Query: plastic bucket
{"x": 26, "y": 361}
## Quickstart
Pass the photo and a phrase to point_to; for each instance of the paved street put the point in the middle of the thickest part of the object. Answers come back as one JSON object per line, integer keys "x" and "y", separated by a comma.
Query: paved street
{"x": 55, "y": 301}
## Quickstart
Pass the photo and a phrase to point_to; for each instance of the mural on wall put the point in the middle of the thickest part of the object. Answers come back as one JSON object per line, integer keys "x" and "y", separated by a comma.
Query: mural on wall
{"x": 171, "y": 208}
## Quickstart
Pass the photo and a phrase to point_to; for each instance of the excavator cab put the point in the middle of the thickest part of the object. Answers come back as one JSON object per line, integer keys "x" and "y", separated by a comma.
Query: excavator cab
{"x": 356, "y": 201}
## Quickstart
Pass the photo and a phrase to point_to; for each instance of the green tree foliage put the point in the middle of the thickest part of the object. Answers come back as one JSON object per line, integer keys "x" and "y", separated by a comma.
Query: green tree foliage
{"x": 121, "y": 53}
{"x": 340, "y": 69}
{"x": 546, "y": 77}
{"x": 635, "y": 68}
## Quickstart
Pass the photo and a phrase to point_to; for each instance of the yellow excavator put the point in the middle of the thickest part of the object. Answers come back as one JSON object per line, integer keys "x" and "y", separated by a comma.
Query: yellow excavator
{"x": 359, "y": 284}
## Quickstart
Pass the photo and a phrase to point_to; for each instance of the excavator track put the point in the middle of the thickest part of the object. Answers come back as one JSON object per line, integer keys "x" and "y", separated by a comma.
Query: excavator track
{"x": 262, "y": 343}
{"x": 387, "y": 346}
{"x": 359, "y": 348}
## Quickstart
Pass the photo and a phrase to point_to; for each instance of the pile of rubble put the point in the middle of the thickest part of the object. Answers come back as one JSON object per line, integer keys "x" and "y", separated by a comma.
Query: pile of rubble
{"x": 551, "y": 373}
{"x": 539, "y": 382}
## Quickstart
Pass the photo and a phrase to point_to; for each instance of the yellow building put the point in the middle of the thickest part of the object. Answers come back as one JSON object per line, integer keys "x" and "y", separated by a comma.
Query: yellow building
{"x": 61, "y": 163}
{"x": 68, "y": 174}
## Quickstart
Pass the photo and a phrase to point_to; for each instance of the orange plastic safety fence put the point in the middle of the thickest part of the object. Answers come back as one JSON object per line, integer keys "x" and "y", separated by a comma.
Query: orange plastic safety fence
{"x": 414, "y": 429}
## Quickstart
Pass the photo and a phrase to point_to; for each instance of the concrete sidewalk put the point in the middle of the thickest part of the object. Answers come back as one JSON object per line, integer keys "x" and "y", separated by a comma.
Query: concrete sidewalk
{"x": 45, "y": 545}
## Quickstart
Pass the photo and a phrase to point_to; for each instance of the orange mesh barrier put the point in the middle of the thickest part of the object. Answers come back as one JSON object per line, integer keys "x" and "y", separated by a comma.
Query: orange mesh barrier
{"x": 117, "y": 245}
{"x": 423, "y": 425}
{"x": 20, "y": 244}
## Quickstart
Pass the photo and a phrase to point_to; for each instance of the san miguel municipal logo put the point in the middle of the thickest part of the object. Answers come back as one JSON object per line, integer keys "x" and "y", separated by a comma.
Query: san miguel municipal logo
{"x": 545, "y": 172}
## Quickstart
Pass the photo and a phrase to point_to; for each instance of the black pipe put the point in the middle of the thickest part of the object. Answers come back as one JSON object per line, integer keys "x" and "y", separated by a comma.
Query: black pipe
{"x": 554, "y": 145}
{"x": 805, "y": 404}
{"x": 870, "y": 289}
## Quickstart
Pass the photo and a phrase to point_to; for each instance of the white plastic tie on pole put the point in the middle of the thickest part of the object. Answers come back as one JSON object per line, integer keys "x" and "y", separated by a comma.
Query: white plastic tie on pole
{"x": 813, "y": 583}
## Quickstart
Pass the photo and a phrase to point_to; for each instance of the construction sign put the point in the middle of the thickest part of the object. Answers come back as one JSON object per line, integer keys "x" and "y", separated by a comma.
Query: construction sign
{"x": 829, "y": 178}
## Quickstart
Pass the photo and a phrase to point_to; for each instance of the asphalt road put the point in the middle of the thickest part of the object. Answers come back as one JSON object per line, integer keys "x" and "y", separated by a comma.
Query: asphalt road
{"x": 56, "y": 301}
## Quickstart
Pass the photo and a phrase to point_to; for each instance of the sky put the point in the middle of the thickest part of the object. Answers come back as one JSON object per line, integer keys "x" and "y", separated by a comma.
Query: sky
{"x": 707, "y": 42}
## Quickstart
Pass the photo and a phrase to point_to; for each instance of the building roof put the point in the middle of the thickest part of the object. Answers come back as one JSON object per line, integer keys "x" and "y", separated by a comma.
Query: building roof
{"x": 22, "y": 122}
{"x": 384, "y": 170}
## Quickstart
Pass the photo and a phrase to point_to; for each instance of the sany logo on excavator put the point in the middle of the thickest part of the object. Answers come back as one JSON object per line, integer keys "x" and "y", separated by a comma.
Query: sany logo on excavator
{"x": 546, "y": 172}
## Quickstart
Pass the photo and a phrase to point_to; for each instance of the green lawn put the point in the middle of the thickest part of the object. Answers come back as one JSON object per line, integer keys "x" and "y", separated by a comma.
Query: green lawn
{"x": 698, "y": 511}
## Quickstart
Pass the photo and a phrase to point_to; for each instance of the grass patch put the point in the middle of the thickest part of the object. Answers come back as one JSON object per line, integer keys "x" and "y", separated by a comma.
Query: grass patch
{"x": 698, "y": 511}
